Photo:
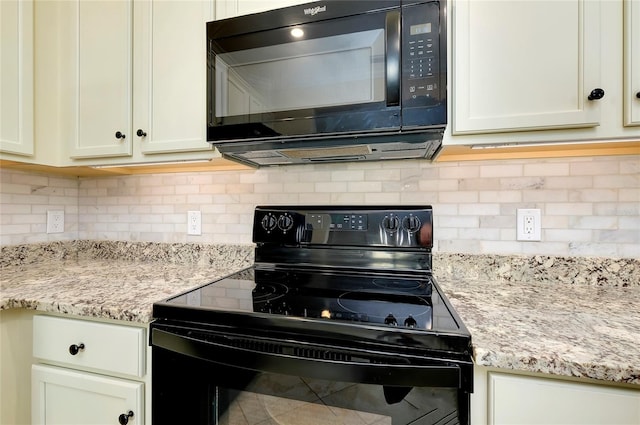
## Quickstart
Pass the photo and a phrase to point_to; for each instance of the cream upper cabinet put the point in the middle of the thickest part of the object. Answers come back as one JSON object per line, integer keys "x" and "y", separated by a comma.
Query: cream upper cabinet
{"x": 102, "y": 78}
{"x": 520, "y": 65}
{"x": 230, "y": 8}
{"x": 137, "y": 78}
{"x": 170, "y": 60}
{"x": 632, "y": 62}
{"x": 16, "y": 77}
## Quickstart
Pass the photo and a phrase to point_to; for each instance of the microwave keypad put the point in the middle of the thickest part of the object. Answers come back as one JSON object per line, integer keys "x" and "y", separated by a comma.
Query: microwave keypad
{"x": 421, "y": 57}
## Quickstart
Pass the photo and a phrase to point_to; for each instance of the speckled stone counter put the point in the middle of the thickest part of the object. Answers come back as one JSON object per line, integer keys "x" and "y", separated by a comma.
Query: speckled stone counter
{"x": 572, "y": 317}
{"x": 113, "y": 280}
{"x": 112, "y": 289}
{"x": 572, "y": 330}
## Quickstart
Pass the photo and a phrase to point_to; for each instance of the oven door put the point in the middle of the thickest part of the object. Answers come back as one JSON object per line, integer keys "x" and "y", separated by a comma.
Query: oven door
{"x": 220, "y": 379}
{"x": 324, "y": 74}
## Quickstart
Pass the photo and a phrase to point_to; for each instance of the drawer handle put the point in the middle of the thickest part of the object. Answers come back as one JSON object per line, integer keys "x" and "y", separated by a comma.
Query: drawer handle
{"x": 123, "y": 419}
{"x": 75, "y": 349}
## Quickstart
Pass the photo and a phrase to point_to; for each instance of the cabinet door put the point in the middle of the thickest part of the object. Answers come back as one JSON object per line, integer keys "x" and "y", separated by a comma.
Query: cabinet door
{"x": 103, "y": 80}
{"x": 521, "y": 65}
{"x": 66, "y": 397}
{"x": 526, "y": 400}
{"x": 230, "y": 8}
{"x": 16, "y": 76}
{"x": 170, "y": 75}
{"x": 632, "y": 62}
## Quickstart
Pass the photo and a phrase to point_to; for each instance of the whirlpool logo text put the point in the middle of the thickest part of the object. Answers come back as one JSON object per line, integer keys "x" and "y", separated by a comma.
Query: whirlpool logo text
{"x": 315, "y": 10}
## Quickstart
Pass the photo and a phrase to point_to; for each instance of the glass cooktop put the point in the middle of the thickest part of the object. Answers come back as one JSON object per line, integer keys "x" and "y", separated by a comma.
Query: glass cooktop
{"x": 395, "y": 300}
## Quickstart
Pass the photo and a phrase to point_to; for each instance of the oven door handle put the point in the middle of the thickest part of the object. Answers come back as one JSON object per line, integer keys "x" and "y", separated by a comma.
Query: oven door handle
{"x": 447, "y": 375}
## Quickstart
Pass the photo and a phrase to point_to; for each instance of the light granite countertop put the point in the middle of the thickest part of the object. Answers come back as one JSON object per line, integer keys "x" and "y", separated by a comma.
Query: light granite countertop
{"x": 580, "y": 330}
{"x": 111, "y": 289}
{"x": 572, "y": 330}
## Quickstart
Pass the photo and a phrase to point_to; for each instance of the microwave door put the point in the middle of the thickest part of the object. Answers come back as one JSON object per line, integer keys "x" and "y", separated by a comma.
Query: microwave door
{"x": 326, "y": 77}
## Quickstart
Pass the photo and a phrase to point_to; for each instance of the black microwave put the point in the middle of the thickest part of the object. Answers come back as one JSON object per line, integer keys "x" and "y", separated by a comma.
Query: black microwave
{"x": 329, "y": 81}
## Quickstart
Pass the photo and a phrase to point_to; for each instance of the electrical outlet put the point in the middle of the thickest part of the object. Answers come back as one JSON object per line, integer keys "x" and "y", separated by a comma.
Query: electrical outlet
{"x": 55, "y": 221}
{"x": 529, "y": 226}
{"x": 194, "y": 223}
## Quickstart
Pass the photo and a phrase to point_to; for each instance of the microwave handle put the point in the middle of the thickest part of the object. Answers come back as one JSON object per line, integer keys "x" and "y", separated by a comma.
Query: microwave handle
{"x": 392, "y": 55}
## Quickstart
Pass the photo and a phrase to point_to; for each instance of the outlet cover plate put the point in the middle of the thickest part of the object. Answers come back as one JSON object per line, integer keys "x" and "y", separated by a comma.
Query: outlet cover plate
{"x": 55, "y": 221}
{"x": 529, "y": 225}
{"x": 194, "y": 223}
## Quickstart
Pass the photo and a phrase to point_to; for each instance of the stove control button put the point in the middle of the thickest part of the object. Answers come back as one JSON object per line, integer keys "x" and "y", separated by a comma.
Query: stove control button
{"x": 390, "y": 320}
{"x": 390, "y": 223}
{"x": 285, "y": 222}
{"x": 410, "y": 322}
{"x": 411, "y": 223}
{"x": 269, "y": 222}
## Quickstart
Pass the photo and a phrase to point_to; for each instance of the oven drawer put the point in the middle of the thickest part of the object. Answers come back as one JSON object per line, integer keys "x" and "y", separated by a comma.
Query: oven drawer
{"x": 90, "y": 345}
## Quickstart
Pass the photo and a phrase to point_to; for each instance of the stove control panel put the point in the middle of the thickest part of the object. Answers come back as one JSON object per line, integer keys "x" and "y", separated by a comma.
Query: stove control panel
{"x": 369, "y": 226}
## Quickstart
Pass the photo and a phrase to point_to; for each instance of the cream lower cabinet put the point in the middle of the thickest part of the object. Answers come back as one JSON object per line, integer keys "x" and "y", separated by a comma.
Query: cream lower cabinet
{"x": 67, "y": 397}
{"x": 88, "y": 373}
{"x": 512, "y": 399}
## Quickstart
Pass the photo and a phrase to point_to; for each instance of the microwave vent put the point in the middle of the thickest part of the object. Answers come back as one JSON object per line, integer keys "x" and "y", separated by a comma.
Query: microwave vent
{"x": 312, "y": 153}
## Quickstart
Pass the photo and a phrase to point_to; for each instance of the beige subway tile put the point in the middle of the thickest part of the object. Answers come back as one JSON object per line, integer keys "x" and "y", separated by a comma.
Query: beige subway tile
{"x": 458, "y": 197}
{"x": 268, "y": 187}
{"x": 569, "y": 209}
{"x": 347, "y": 198}
{"x": 368, "y": 187}
{"x": 593, "y": 168}
{"x": 459, "y": 171}
{"x": 381, "y": 198}
{"x": 504, "y": 196}
{"x": 593, "y": 195}
{"x": 479, "y": 209}
{"x": 546, "y": 169}
{"x": 501, "y": 170}
{"x": 329, "y": 187}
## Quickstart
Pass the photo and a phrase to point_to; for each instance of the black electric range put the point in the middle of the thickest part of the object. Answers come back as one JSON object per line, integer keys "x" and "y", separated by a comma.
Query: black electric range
{"x": 330, "y": 287}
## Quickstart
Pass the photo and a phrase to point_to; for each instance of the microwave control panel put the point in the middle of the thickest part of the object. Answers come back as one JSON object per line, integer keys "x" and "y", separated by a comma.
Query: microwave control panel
{"x": 421, "y": 85}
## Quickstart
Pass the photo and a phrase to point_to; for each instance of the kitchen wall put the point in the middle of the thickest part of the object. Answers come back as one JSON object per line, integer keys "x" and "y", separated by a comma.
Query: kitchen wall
{"x": 590, "y": 206}
{"x": 25, "y": 199}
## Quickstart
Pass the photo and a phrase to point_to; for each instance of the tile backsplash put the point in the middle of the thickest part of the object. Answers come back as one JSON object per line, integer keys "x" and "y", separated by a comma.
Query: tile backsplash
{"x": 590, "y": 206}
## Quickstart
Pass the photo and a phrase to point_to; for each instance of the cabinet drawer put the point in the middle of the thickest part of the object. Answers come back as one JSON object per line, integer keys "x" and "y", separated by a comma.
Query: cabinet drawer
{"x": 97, "y": 346}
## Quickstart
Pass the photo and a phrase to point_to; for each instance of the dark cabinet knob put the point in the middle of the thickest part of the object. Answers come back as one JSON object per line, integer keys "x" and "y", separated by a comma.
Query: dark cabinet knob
{"x": 120, "y": 135}
{"x": 75, "y": 349}
{"x": 638, "y": 95}
{"x": 123, "y": 419}
{"x": 141, "y": 133}
{"x": 596, "y": 94}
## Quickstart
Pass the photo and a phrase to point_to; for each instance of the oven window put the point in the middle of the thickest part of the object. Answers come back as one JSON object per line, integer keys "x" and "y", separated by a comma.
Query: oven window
{"x": 255, "y": 408}
{"x": 291, "y": 400}
{"x": 344, "y": 69}
{"x": 187, "y": 390}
